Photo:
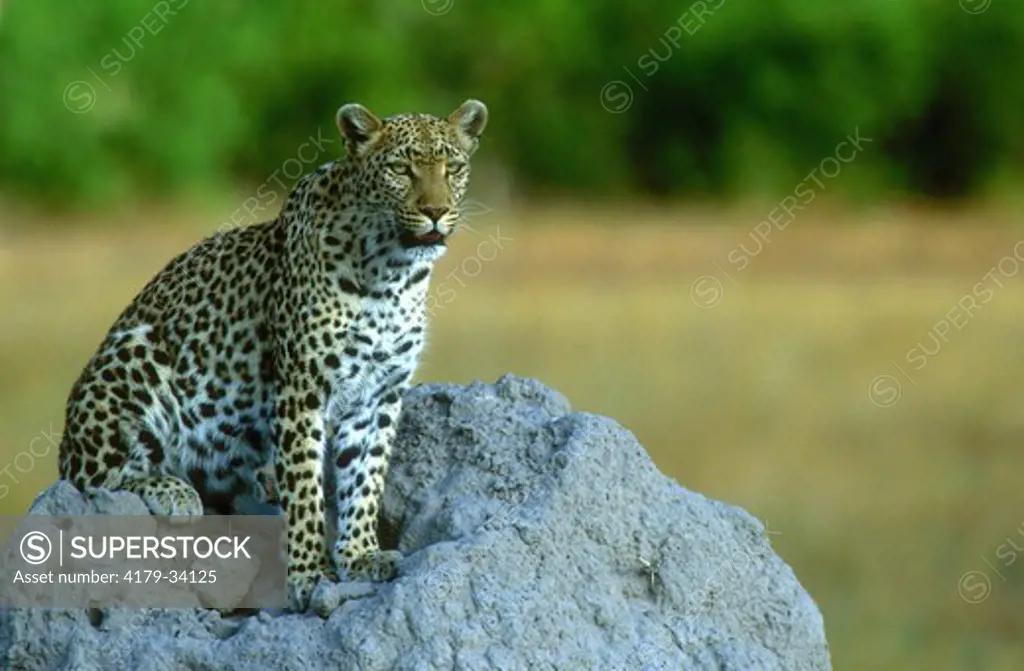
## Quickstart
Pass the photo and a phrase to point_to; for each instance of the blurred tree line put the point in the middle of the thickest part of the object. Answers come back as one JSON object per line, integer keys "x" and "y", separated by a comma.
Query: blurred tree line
{"x": 105, "y": 100}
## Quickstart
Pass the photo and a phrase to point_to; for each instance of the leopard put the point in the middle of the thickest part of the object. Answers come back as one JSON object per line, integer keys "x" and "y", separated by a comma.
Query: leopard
{"x": 266, "y": 365}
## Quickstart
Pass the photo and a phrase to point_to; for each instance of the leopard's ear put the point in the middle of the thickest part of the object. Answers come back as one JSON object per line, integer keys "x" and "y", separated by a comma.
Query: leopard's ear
{"x": 469, "y": 121}
{"x": 358, "y": 126}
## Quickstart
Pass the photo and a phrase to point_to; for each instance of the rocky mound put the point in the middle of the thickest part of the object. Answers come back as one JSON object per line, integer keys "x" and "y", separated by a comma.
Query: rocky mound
{"x": 535, "y": 538}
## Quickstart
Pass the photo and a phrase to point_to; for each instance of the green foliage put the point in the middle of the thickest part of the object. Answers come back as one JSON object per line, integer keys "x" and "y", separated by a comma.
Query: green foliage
{"x": 727, "y": 96}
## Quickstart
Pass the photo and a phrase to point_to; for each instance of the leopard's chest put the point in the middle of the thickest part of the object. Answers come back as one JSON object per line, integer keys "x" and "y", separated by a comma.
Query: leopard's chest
{"x": 379, "y": 352}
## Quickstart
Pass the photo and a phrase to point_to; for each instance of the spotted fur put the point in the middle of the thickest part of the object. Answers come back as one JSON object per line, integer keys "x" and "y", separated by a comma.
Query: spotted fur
{"x": 268, "y": 357}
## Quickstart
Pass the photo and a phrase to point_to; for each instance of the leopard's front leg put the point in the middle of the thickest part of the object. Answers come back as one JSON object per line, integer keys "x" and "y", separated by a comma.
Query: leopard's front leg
{"x": 299, "y": 432}
{"x": 365, "y": 441}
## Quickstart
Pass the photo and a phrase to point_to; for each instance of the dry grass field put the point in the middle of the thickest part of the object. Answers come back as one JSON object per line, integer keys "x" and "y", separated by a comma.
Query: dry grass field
{"x": 764, "y": 391}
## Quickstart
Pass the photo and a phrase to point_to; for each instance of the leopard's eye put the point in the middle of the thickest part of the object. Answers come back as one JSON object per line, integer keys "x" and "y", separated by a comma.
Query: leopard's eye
{"x": 400, "y": 168}
{"x": 456, "y": 167}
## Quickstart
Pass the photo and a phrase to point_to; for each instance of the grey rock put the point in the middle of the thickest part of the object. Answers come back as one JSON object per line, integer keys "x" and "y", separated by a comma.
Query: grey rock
{"x": 534, "y": 538}
{"x": 328, "y": 596}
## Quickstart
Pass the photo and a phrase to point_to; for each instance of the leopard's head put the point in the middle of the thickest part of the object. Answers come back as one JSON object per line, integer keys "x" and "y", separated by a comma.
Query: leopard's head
{"x": 413, "y": 166}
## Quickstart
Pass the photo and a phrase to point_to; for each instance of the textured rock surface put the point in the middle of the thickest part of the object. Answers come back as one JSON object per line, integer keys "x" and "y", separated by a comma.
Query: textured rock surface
{"x": 534, "y": 538}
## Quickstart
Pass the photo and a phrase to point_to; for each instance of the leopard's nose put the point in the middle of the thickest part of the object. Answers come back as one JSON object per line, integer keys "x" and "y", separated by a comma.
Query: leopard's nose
{"x": 434, "y": 213}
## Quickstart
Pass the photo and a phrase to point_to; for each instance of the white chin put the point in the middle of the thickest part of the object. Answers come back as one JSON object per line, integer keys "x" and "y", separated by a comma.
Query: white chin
{"x": 418, "y": 255}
